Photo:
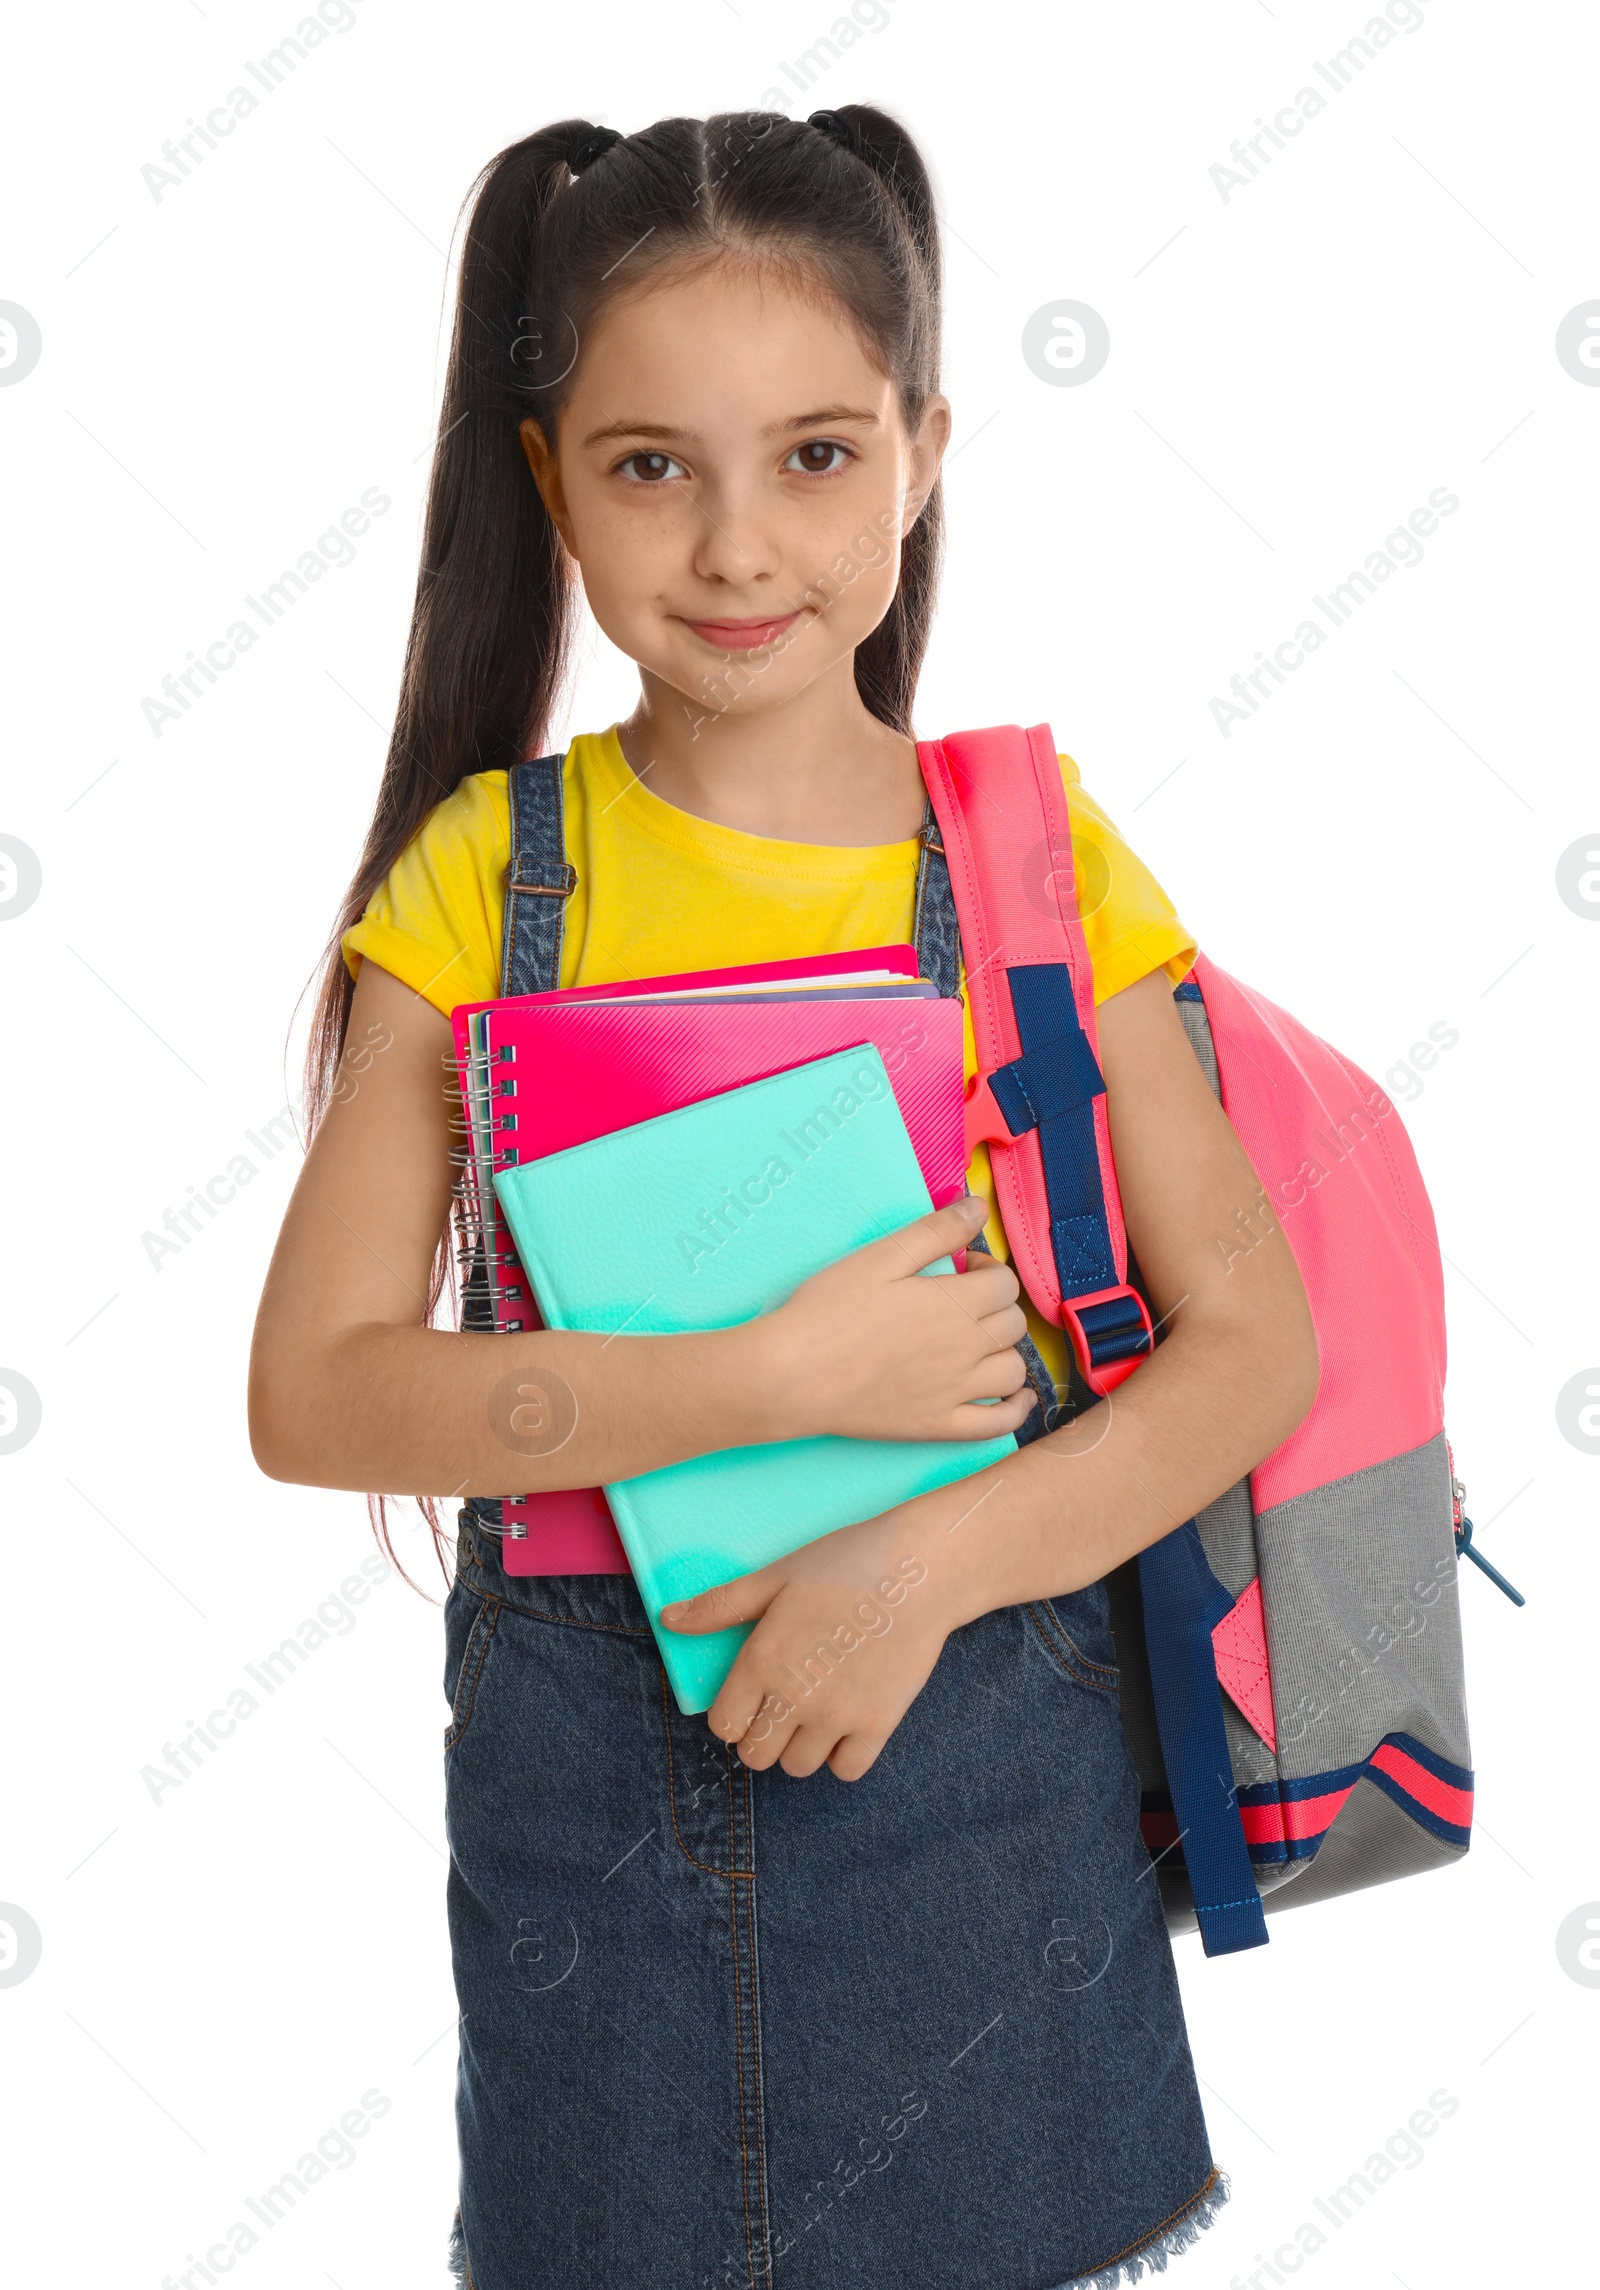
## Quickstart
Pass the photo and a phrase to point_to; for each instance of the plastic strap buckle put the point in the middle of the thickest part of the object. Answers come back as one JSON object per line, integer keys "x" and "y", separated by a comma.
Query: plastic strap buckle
{"x": 1110, "y": 1334}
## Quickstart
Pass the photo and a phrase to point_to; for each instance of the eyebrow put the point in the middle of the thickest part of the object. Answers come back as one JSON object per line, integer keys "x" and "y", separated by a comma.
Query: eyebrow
{"x": 670, "y": 436}
{"x": 824, "y": 414}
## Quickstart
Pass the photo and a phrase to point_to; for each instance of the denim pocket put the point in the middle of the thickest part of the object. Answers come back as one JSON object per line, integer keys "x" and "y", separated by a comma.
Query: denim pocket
{"x": 1077, "y": 1631}
{"x": 469, "y": 1627}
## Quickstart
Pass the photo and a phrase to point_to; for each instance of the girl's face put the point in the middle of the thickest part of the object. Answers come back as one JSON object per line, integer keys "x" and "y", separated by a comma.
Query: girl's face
{"x": 735, "y": 479}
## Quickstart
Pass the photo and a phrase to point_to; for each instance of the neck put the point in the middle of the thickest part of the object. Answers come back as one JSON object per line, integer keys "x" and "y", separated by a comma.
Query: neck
{"x": 817, "y": 768}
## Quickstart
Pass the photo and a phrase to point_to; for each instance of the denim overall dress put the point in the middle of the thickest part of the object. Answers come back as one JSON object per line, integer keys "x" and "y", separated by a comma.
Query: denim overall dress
{"x": 731, "y": 2030}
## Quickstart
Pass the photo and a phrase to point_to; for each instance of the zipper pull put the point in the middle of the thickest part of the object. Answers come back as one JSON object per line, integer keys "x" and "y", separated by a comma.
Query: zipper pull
{"x": 1465, "y": 1547}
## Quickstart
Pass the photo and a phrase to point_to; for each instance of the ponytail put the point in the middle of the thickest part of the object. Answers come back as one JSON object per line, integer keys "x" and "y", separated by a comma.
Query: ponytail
{"x": 492, "y": 623}
{"x": 890, "y": 661}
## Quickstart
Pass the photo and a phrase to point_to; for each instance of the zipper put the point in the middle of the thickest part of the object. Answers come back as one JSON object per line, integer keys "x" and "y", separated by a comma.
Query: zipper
{"x": 1465, "y": 1546}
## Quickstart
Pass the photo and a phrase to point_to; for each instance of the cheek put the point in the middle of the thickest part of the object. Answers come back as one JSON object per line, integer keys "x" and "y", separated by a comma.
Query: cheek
{"x": 627, "y": 560}
{"x": 847, "y": 573}
{"x": 875, "y": 585}
{"x": 623, "y": 543}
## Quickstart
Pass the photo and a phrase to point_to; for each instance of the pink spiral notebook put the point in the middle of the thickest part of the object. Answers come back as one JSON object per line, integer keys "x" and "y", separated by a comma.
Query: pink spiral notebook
{"x": 542, "y": 1072}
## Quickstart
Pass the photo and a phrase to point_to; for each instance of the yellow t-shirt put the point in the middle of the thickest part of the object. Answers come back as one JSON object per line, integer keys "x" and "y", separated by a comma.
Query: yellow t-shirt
{"x": 660, "y": 891}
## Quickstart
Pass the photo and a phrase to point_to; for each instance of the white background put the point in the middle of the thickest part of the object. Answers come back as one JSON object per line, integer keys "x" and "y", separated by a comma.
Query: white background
{"x": 1293, "y": 370}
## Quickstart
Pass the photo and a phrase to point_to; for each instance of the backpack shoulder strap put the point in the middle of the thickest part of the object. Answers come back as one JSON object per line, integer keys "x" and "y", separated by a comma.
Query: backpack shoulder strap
{"x": 1039, "y": 1101}
{"x": 1040, "y": 1104}
{"x": 539, "y": 880}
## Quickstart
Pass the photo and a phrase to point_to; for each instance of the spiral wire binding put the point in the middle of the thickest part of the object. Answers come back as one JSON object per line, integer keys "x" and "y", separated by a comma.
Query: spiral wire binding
{"x": 484, "y": 1237}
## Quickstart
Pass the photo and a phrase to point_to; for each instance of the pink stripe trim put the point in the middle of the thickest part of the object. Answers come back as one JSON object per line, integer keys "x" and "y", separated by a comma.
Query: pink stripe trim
{"x": 1440, "y": 1797}
{"x": 1292, "y": 1817}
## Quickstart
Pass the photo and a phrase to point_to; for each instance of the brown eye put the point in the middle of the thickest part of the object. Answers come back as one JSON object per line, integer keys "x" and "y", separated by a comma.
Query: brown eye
{"x": 816, "y": 457}
{"x": 650, "y": 468}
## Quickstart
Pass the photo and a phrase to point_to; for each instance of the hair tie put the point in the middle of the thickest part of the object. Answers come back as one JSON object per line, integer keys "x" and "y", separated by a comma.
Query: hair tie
{"x": 591, "y": 145}
{"x": 839, "y": 130}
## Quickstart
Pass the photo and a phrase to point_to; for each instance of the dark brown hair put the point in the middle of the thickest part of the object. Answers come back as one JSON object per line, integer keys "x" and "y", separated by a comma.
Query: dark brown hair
{"x": 845, "y": 204}
{"x": 487, "y": 655}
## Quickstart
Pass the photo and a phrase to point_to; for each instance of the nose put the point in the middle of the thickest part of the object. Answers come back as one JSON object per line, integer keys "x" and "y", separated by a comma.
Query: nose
{"x": 732, "y": 543}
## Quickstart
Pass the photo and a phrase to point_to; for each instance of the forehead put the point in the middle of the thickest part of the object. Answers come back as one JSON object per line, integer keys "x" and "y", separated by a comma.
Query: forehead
{"x": 724, "y": 346}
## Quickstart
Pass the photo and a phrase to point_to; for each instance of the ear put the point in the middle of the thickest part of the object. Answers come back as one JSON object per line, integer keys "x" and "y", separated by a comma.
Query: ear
{"x": 547, "y": 476}
{"x": 928, "y": 444}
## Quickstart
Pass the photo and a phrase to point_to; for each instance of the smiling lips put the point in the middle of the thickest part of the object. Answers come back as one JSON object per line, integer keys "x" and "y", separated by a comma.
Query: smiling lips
{"x": 742, "y": 635}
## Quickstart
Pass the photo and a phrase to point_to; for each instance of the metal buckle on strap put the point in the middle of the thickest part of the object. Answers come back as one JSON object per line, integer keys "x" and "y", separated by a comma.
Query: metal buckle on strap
{"x": 558, "y": 890}
{"x": 1110, "y": 1334}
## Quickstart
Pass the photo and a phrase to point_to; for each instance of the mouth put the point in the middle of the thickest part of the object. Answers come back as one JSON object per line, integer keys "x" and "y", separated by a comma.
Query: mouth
{"x": 742, "y": 635}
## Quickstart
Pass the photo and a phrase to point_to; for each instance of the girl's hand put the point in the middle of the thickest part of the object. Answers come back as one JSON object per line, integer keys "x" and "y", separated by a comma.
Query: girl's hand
{"x": 848, "y": 1629}
{"x": 871, "y": 1349}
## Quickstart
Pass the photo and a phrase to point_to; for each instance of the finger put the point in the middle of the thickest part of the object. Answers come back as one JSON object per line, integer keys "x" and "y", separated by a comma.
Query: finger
{"x": 975, "y": 1293}
{"x": 733, "y": 1721}
{"x": 748, "y": 1705}
{"x": 999, "y": 1376}
{"x": 991, "y": 1422}
{"x": 923, "y": 1243}
{"x": 856, "y": 1755}
{"x": 984, "y": 1287}
{"x": 808, "y": 1749}
{"x": 766, "y": 1741}
{"x": 725, "y": 1604}
{"x": 744, "y": 1702}
{"x": 1005, "y": 1329}
{"x": 988, "y": 1278}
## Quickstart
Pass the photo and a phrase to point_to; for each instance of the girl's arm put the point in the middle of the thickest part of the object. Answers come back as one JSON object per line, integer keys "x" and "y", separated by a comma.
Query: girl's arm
{"x": 349, "y": 1387}
{"x": 1236, "y": 1373}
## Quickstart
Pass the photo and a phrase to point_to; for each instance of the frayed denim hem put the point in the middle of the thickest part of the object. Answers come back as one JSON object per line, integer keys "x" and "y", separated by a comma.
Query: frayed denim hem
{"x": 1170, "y": 2240}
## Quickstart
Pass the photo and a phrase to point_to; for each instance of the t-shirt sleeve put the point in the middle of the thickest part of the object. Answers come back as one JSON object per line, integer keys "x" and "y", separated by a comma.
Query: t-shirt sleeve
{"x": 435, "y": 921}
{"x": 1129, "y": 924}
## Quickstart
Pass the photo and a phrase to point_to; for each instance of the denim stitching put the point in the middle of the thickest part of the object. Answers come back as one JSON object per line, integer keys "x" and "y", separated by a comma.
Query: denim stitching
{"x": 1109, "y": 1680}
{"x": 485, "y": 1620}
{"x": 672, "y": 1799}
{"x": 755, "y": 2023}
{"x": 1106, "y": 1669}
{"x": 738, "y": 2043}
{"x": 542, "y": 1614}
{"x": 1048, "y": 1624}
{"x": 1161, "y": 2224}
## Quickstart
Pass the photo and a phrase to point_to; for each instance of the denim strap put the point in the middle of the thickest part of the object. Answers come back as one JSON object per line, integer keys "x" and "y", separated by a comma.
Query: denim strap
{"x": 539, "y": 880}
{"x": 935, "y": 932}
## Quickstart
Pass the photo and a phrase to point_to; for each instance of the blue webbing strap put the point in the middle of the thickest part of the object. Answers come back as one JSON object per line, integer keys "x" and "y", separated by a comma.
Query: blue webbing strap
{"x": 1115, "y": 1329}
{"x": 1183, "y": 1603}
{"x": 1052, "y": 1088}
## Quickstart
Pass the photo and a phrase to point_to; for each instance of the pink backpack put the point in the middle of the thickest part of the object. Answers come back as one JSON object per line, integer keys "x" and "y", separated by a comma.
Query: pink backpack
{"x": 1319, "y": 1594}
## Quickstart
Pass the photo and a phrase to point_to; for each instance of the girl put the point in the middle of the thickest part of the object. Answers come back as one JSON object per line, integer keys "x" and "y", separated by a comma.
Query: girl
{"x": 873, "y": 1994}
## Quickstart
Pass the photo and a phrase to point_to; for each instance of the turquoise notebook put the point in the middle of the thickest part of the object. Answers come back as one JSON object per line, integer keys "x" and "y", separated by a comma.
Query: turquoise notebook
{"x": 701, "y": 1219}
